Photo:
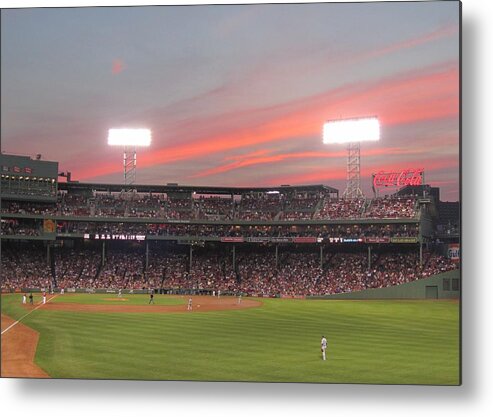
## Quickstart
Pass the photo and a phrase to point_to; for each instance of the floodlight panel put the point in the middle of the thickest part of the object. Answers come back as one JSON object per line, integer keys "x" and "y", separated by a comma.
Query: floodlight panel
{"x": 129, "y": 137}
{"x": 351, "y": 130}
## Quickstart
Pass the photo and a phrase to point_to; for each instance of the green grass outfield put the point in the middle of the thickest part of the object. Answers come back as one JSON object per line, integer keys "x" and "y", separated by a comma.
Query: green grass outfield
{"x": 380, "y": 342}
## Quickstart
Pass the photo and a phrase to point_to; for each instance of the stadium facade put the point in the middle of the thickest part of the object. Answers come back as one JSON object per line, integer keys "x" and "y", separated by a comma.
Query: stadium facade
{"x": 267, "y": 241}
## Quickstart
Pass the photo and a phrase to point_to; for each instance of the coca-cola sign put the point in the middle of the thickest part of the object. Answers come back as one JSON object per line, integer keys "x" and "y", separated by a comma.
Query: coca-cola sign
{"x": 412, "y": 176}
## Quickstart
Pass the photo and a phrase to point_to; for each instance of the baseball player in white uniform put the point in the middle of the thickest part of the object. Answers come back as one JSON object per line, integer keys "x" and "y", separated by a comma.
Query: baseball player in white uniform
{"x": 24, "y": 299}
{"x": 189, "y": 307}
{"x": 323, "y": 346}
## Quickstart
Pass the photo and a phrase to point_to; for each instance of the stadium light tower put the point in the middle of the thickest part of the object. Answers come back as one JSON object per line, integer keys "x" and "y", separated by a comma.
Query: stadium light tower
{"x": 130, "y": 139}
{"x": 352, "y": 132}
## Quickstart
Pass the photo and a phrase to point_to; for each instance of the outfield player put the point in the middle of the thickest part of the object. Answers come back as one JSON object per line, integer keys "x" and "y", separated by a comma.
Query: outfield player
{"x": 323, "y": 346}
{"x": 151, "y": 297}
{"x": 189, "y": 307}
{"x": 239, "y": 299}
{"x": 119, "y": 292}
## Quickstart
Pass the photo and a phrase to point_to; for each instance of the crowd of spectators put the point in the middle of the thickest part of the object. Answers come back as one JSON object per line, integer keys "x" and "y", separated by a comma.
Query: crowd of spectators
{"x": 24, "y": 269}
{"x": 340, "y": 208}
{"x": 291, "y": 272}
{"x": 214, "y": 208}
{"x": 121, "y": 270}
{"x": 12, "y": 227}
{"x": 302, "y": 273}
{"x": 302, "y": 201}
{"x": 296, "y": 215}
{"x": 251, "y": 206}
{"x": 259, "y": 206}
{"x": 435, "y": 264}
{"x": 76, "y": 269}
{"x": 14, "y": 207}
{"x": 395, "y": 207}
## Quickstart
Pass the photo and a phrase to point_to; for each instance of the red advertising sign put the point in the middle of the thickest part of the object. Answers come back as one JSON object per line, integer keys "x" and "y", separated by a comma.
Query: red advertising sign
{"x": 453, "y": 252}
{"x": 232, "y": 239}
{"x": 305, "y": 240}
{"x": 412, "y": 176}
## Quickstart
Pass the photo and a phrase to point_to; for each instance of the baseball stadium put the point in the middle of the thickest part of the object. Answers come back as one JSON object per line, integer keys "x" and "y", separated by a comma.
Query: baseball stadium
{"x": 296, "y": 213}
{"x": 207, "y": 283}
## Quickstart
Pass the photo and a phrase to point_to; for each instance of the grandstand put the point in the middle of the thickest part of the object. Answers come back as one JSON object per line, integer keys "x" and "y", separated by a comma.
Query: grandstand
{"x": 275, "y": 241}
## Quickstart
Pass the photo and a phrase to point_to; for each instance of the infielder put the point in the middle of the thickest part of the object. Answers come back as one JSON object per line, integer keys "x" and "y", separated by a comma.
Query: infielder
{"x": 119, "y": 292}
{"x": 24, "y": 299}
{"x": 323, "y": 345}
{"x": 44, "y": 297}
{"x": 189, "y": 307}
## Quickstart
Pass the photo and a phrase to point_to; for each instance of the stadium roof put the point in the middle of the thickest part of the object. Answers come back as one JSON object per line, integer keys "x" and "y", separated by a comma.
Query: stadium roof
{"x": 177, "y": 188}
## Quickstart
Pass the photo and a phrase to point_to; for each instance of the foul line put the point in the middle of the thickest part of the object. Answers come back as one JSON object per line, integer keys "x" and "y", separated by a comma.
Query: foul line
{"x": 25, "y": 315}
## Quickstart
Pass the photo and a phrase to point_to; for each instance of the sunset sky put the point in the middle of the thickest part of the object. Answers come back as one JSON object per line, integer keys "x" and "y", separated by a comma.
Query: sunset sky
{"x": 234, "y": 95}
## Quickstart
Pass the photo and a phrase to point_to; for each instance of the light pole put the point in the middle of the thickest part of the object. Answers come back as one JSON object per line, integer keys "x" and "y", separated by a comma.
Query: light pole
{"x": 129, "y": 139}
{"x": 352, "y": 132}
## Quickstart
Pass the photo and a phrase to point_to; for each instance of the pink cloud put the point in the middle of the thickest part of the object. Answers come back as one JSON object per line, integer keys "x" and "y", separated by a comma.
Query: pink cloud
{"x": 255, "y": 159}
{"x": 440, "y": 33}
{"x": 117, "y": 66}
{"x": 324, "y": 175}
{"x": 429, "y": 94}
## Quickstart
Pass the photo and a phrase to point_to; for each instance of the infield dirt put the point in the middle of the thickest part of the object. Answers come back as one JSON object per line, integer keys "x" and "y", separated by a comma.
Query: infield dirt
{"x": 18, "y": 350}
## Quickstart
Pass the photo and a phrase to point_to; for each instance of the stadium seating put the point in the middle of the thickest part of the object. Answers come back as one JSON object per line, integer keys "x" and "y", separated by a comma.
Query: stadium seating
{"x": 255, "y": 272}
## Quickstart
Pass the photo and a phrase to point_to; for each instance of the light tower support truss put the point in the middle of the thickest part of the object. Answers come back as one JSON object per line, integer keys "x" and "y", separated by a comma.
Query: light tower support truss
{"x": 352, "y": 132}
{"x": 353, "y": 185}
{"x": 129, "y": 165}
{"x": 129, "y": 139}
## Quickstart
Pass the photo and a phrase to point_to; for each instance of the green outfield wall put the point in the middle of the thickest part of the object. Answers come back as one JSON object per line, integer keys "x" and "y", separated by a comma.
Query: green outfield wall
{"x": 446, "y": 285}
